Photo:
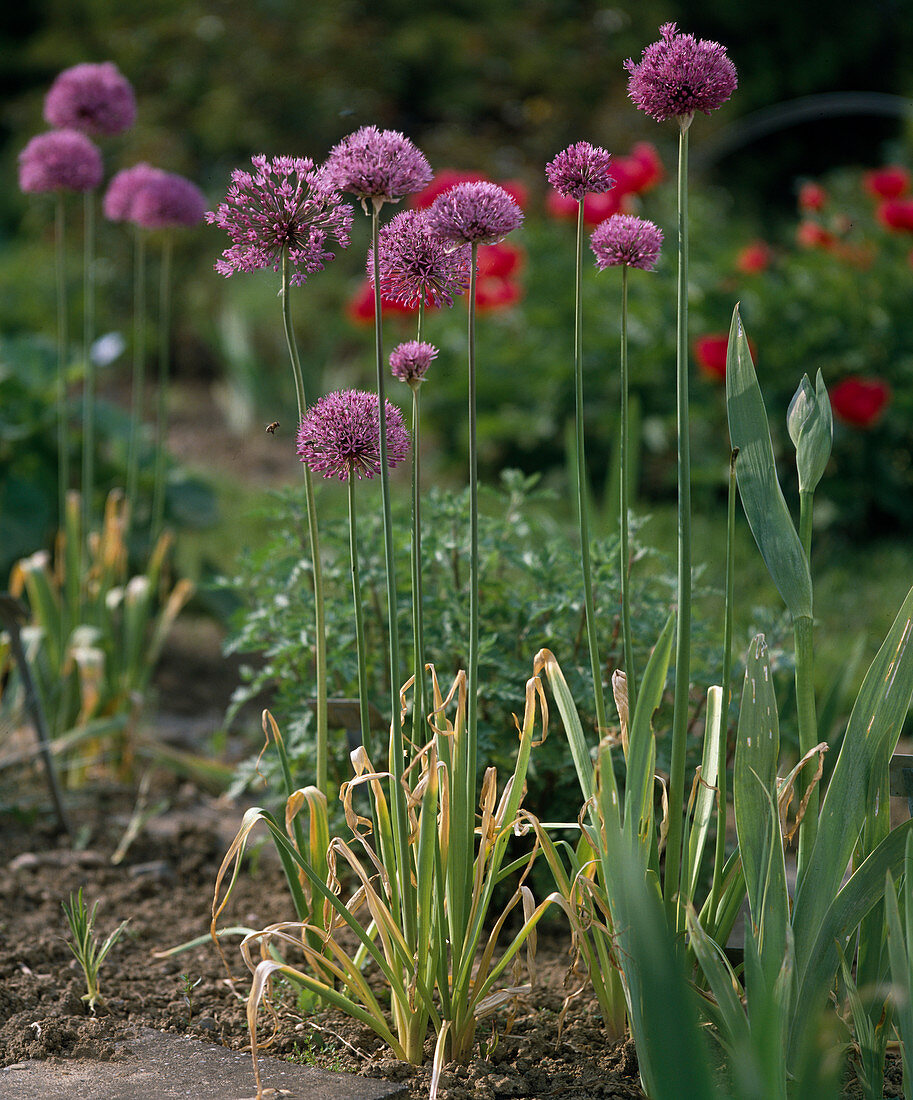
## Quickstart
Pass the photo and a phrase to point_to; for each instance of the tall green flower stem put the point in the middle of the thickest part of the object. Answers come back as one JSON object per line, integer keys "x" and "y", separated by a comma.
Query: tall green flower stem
{"x": 624, "y": 463}
{"x": 404, "y": 887}
{"x": 472, "y": 710}
{"x": 139, "y": 370}
{"x": 721, "y": 816}
{"x": 803, "y": 634}
{"x": 88, "y": 336}
{"x": 683, "y": 619}
{"x": 582, "y": 503}
{"x": 419, "y": 708}
{"x": 63, "y": 442}
{"x": 320, "y": 641}
{"x": 161, "y": 414}
{"x": 364, "y": 716}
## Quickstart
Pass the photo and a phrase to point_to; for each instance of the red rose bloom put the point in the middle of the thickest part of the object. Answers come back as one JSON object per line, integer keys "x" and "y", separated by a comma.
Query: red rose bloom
{"x": 888, "y": 182}
{"x": 812, "y": 196}
{"x": 753, "y": 258}
{"x": 860, "y": 402}
{"x": 499, "y": 260}
{"x": 710, "y": 353}
{"x": 813, "y": 235}
{"x": 896, "y": 214}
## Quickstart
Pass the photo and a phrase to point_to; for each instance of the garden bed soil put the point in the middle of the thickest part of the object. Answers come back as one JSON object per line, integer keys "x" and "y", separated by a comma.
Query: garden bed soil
{"x": 164, "y": 886}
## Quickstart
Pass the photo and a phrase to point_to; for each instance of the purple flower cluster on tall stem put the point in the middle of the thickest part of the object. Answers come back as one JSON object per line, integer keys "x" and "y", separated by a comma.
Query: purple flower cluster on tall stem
{"x": 340, "y": 436}
{"x": 579, "y": 170}
{"x": 626, "y": 241}
{"x": 474, "y": 213}
{"x": 679, "y": 75}
{"x": 381, "y": 165}
{"x": 409, "y": 361}
{"x": 284, "y": 208}
{"x": 94, "y": 98}
{"x": 416, "y": 266}
{"x": 60, "y": 160}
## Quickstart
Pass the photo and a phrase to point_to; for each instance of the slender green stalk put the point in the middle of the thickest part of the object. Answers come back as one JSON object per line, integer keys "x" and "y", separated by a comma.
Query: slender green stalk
{"x": 683, "y": 621}
{"x": 803, "y": 633}
{"x": 396, "y": 752}
{"x": 161, "y": 415}
{"x": 63, "y": 442}
{"x": 472, "y": 710}
{"x": 624, "y": 462}
{"x": 419, "y": 708}
{"x": 88, "y": 336}
{"x": 320, "y": 640}
{"x": 582, "y": 503}
{"x": 139, "y": 370}
{"x": 720, "y": 852}
{"x": 363, "y": 714}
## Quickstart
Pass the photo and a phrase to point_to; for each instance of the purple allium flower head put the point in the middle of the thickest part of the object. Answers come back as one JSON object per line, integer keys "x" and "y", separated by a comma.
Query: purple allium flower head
{"x": 581, "y": 169}
{"x": 97, "y": 99}
{"x": 416, "y": 266}
{"x": 284, "y": 204}
{"x": 124, "y": 188}
{"x": 168, "y": 201}
{"x": 340, "y": 435}
{"x": 383, "y": 165}
{"x": 60, "y": 160}
{"x": 474, "y": 213}
{"x": 409, "y": 362}
{"x": 679, "y": 75}
{"x": 625, "y": 239}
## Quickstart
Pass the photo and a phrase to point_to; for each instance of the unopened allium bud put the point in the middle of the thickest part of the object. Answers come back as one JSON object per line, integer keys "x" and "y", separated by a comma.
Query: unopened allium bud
{"x": 811, "y": 428}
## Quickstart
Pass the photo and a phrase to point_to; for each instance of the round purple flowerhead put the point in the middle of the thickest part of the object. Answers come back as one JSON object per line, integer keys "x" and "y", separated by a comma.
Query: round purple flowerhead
{"x": 382, "y": 165}
{"x": 625, "y": 239}
{"x": 60, "y": 160}
{"x": 581, "y": 169}
{"x": 284, "y": 205}
{"x": 168, "y": 201}
{"x": 340, "y": 435}
{"x": 474, "y": 213}
{"x": 124, "y": 188}
{"x": 416, "y": 267}
{"x": 97, "y": 99}
{"x": 679, "y": 75}
{"x": 409, "y": 362}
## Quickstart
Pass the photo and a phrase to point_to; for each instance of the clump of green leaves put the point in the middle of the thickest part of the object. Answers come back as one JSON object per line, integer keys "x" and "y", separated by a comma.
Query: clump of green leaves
{"x": 527, "y": 603}
{"x": 84, "y": 944}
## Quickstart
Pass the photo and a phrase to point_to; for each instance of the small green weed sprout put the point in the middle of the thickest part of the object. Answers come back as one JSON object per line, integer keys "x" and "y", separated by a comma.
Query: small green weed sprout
{"x": 84, "y": 945}
{"x": 188, "y": 985}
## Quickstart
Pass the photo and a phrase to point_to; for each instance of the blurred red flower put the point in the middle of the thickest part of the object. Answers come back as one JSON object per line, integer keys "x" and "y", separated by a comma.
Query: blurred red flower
{"x": 753, "y": 258}
{"x": 812, "y": 196}
{"x": 812, "y": 235}
{"x": 450, "y": 177}
{"x": 360, "y": 307}
{"x": 493, "y": 293}
{"x": 860, "y": 401}
{"x": 888, "y": 182}
{"x": 896, "y": 214}
{"x": 596, "y": 208}
{"x": 710, "y": 354}
{"x": 500, "y": 260}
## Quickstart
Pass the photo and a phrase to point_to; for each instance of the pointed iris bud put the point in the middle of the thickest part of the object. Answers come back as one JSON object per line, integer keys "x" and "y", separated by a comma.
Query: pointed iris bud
{"x": 811, "y": 428}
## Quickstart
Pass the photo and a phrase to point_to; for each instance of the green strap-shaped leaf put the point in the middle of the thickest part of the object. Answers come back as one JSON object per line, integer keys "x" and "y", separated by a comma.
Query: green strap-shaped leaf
{"x": 762, "y": 498}
{"x": 871, "y": 735}
{"x": 754, "y": 792}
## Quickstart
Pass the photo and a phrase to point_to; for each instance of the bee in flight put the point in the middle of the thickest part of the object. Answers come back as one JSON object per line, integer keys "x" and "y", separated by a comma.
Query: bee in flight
{"x": 271, "y": 428}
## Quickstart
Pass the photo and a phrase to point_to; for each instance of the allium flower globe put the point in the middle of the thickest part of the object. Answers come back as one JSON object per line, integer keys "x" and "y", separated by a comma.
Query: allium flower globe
{"x": 168, "y": 201}
{"x": 626, "y": 239}
{"x": 60, "y": 160}
{"x": 474, "y": 213}
{"x": 581, "y": 169}
{"x": 416, "y": 266}
{"x": 383, "y": 165}
{"x": 124, "y": 188}
{"x": 340, "y": 435}
{"x": 94, "y": 98}
{"x": 409, "y": 362}
{"x": 679, "y": 75}
{"x": 283, "y": 206}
